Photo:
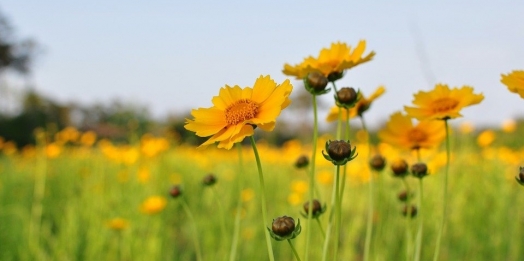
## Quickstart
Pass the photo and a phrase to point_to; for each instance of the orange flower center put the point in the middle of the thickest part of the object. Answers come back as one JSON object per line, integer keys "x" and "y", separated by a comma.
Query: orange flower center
{"x": 444, "y": 105}
{"x": 417, "y": 136}
{"x": 240, "y": 111}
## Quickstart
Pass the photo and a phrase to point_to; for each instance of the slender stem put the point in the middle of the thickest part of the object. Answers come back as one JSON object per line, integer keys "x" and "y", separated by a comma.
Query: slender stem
{"x": 195, "y": 238}
{"x": 321, "y": 229}
{"x": 444, "y": 195}
{"x": 344, "y": 170}
{"x": 330, "y": 222}
{"x": 263, "y": 196}
{"x": 337, "y": 213}
{"x": 38, "y": 196}
{"x": 408, "y": 220}
{"x": 312, "y": 176}
{"x": 369, "y": 228}
{"x": 222, "y": 218}
{"x": 294, "y": 250}
{"x": 418, "y": 245}
{"x": 236, "y": 228}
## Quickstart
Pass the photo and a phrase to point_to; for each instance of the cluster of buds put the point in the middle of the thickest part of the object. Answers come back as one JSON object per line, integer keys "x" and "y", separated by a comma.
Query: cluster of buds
{"x": 317, "y": 208}
{"x": 404, "y": 196}
{"x": 339, "y": 152}
{"x": 409, "y": 211}
{"x": 284, "y": 228}
{"x": 399, "y": 168}
{"x": 315, "y": 83}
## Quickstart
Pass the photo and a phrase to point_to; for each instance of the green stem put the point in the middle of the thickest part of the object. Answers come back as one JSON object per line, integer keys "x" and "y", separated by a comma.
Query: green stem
{"x": 418, "y": 245}
{"x": 444, "y": 195}
{"x": 294, "y": 250}
{"x": 369, "y": 228}
{"x": 38, "y": 196}
{"x": 263, "y": 194}
{"x": 321, "y": 229}
{"x": 312, "y": 176}
{"x": 222, "y": 218}
{"x": 337, "y": 213}
{"x": 195, "y": 238}
{"x": 344, "y": 170}
{"x": 408, "y": 220}
{"x": 330, "y": 222}
{"x": 236, "y": 228}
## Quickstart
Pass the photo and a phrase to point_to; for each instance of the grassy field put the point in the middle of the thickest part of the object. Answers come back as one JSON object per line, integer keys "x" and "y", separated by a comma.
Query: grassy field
{"x": 73, "y": 199}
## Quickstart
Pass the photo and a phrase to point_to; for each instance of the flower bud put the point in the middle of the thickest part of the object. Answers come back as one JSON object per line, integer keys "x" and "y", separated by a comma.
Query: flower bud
{"x": 317, "y": 209}
{"x": 411, "y": 211}
{"x": 302, "y": 162}
{"x": 283, "y": 226}
{"x": 175, "y": 191}
{"x": 404, "y": 196}
{"x": 346, "y": 97}
{"x": 209, "y": 180}
{"x": 339, "y": 152}
{"x": 335, "y": 76}
{"x": 315, "y": 83}
{"x": 377, "y": 162}
{"x": 520, "y": 176}
{"x": 399, "y": 168}
{"x": 419, "y": 170}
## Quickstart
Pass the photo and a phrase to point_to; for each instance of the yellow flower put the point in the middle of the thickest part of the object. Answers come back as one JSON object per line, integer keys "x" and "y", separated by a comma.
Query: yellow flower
{"x": 153, "y": 205}
{"x": 466, "y": 127}
{"x": 515, "y": 82}
{"x": 485, "y": 138}
{"x": 333, "y": 60}
{"x": 442, "y": 102}
{"x": 360, "y": 107}
{"x": 117, "y": 224}
{"x": 509, "y": 126}
{"x": 400, "y": 131}
{"x": 236, "y": 111}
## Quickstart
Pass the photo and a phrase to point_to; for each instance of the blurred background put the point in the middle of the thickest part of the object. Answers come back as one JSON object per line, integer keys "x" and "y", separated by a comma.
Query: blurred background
{"x": 103, "y": 65}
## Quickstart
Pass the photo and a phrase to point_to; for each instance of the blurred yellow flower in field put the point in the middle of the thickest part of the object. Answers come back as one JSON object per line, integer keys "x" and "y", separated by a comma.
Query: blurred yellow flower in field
{"x": 325, "y": 177}
{"x": 88, "y": 138}
{"x": 153, "y": 205}
{"x": 514, "y": 81}
{"x": 29, "y": 151}
{"x": 152, "y": 146}
{"x": 117, "y": 224}
{"x": 295, "y": 198}
{"x": 9, "y": 148}
{"x": 400, "y": 131}
{"x": 360, "y": 107}
{"x": 68, "y": 134}
{"x": 486, "y": 138}
{"x": 52, "y": 150}
{"x": 509, "y": 126}
{"x": 247, "y": 194}
{"x": 236, "y": 112}
{"x": 143, "y": 175}
{"x": 299, "y": 186}
{"x": 442, "y": 102}
{"x": 466, "y": 127}
{"x": 331, "y": 61}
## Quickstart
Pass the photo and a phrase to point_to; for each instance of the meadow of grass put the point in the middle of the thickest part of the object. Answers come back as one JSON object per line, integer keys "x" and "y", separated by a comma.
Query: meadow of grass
{"x": 79, "y": 200}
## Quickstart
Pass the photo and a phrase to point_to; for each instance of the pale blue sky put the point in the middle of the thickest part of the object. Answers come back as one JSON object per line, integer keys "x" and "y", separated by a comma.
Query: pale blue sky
{"x": 175, "y": 55}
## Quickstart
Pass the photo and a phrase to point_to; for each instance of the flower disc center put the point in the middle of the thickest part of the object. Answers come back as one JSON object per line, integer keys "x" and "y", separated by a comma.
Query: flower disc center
{"x": 417, "y": 136}
{"x": 240, "y": 111}
{"x": 444, "y": 105}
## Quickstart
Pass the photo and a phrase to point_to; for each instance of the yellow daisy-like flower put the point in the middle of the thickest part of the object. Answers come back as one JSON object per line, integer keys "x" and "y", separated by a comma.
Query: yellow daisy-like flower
{"x": 237, "y": 111}
{"x": 360, "y": 107}
{"x": 401, "y": 132}
{"x": 333, "y": 60}
{"x": 117, "y": 224}
{"x": 442, "y": 102}
{"x": 153, "y": 205}
{"x": 514, "y": 81}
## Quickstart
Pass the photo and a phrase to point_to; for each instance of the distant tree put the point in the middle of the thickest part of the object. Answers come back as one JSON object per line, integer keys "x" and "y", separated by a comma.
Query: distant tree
{"x": 14, "y": 54}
